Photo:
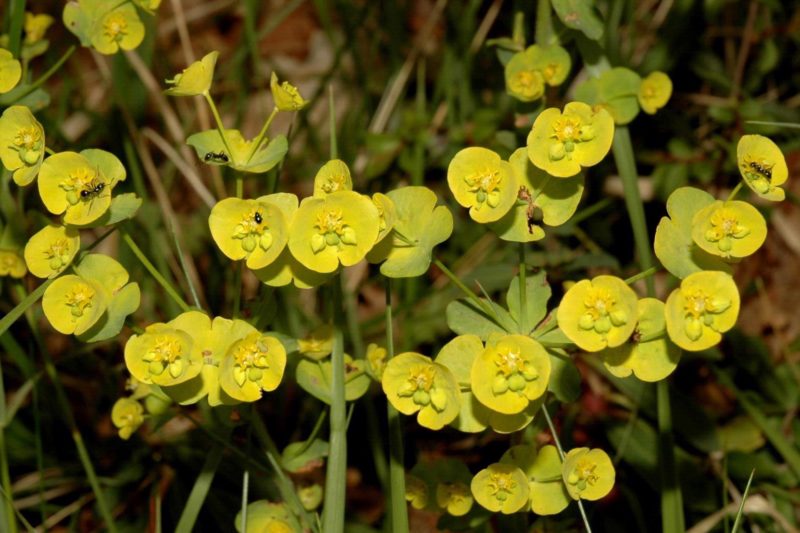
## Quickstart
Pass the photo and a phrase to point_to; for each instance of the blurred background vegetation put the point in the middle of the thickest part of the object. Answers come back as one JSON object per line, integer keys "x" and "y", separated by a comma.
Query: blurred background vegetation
{"x": 414, "y": 82}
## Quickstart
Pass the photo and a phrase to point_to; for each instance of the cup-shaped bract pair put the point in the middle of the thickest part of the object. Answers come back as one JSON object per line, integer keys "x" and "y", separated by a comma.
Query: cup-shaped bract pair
{"x": 440, "y": 485}
{"x": 51, "y": 250}
{"x": 527, "y": 72}
{"x": 194, "y": 80}
{"x": 233, "y": 150}
{"x": 163, "y": 355}
{"x": 762, "y": 166}
{"x": 127, "y": 415}
{"x": 79, "y": 185}
{"x": 705, "y": 306}
{"x": 253, "y": 230}
{"x": 481, "y": 181}
{"x": 598, "y": 313}
{"x": 730, "y": 229}
{"x": 10, "y": 71}
{"x": 285, "y": 95}
{"x": 333, "y": 176}
{"x": 548, "y": 494}
{"x": 11, "y": 264}
{"x": 108, "y": 27}
{"x": 21, "y": 144}
{"x": 562, "y": 143}
{"x": 251, "y": 366}
{"x": 415, "y": 384}
{"x": 588, "y": 473}
{"x": 654, "y": 92}
{"x": 501, "y": 487}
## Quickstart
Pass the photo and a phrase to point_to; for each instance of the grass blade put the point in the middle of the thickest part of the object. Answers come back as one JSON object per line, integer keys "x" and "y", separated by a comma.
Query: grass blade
{"x": 199, "y": 491}
{"x": 740, "y": 513}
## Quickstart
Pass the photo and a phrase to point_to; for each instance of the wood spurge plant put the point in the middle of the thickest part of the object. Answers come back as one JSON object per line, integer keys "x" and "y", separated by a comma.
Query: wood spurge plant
{"x": 445, "y": 305}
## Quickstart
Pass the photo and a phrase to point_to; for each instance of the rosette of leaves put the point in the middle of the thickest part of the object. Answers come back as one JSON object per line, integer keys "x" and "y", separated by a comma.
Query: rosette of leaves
{"x": 616, "y": 90}
{"x": 419, "y": 225}
{"x": 541, "y": 199}
{"x": 21, "y": 144}
{"x": 548, "y": 494}
{"x": 481, "y": 181}
{"x": 763, "y": 166}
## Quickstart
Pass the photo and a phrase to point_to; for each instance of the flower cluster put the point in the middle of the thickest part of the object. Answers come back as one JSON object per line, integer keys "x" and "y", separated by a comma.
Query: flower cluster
{"x": 108, "y": 27}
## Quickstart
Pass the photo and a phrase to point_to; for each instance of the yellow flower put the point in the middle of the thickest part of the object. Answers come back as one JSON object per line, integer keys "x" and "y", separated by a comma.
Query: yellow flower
{"x": 252, "y": 365}
{"x": 376, "y": 360}
{"x": 11, "y": 264}
{"x": 36, "y": 26}
{"x": 705, "y": 306}
{"x": 523, "y": 80}
{"x": 654, "y": 92}
{"x": 127, "y": 415}
{"x": 387, "y": 214}
{"x": 588, "y": 474}
{"x": 416, "y": 492}
{"x": 729, "y": 229}
{"x": 73, "y": 304}
{"x": 51, "y": 250}
{"x": 21, "y": 143}
{"x": 195, "y": 79}
{"x": 456, "y": 497}
{"x": 562, "y": 143}
{"x": 483, "y": 182}
{"x": 119, "y": 28}
{"x": 762, "y": 166}
{"x": 548, "y": 495}
{"x": 79, "y": 185}
{"x": 318, "y": 344}
{"x": 286, "y": 95}
{"x": 163, "y": 355}
{"x": 333, "y": 176}
{"x": 599, "y": 313}
{"x": 10, "y": 71}
{"x": 501, "y": 488}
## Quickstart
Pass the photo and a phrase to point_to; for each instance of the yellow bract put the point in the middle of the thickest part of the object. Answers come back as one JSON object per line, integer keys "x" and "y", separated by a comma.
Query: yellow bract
{"x": 120, "y": 28}
{"x": 588, "y": 474}
{"x": 11, "y": 264}
{"x": 51, "y": 250}
{"x": 501, "y": 488}
{"x": 286, "y": 95}
{"x": 195, "y": 79}
{"x": 10, "y": 71}
{"x": 729, "y": 229}
{"x": 654, "y": 92}
{"x": 455, "y": 498}
{"x": 36, "y": 26}
{"x": 562, "y": 143}
{"x": 73, "y": 305}
{"x": 163, "y": 355}
{"x": 599, "y": 313}
{"x": 416, "y": 492}
{"x": 127, "y": 415}
{"x": 705, "y": 306}
{"x": 483, "y": 182}
{"x": 21, "y": 143}
{"x": 333, "y": 176}
{"x": 252, "y": 365}
{"x": 762, "y": 166}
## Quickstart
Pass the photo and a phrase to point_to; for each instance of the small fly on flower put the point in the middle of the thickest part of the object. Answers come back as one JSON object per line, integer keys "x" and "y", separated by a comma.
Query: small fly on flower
{"x": 220, "y": 157}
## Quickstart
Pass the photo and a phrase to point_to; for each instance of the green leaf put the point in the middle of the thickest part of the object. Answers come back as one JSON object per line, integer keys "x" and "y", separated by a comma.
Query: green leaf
{"x": 315, "y": 378}
{"x": 124, "y": 303}
{"x": 466, "y": 317}
{"x": 240, "y": 158}
{"x": 616, "y": 90}
{"x": 123, "y": 207}
{"x": 738, "y": 522}
{"x": 36, "y": 100}
{"x": 580, "y": 15}
{"x": 297, "y": 455}
{"x": 17, "y": 399}
{"x": 537, "y": 294}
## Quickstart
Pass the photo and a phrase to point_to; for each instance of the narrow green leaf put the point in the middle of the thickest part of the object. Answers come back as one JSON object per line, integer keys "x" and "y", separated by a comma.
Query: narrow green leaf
{"x": 23, "y": 306}
{"x": 738, "y": 522}
{"x": 17, "y": 400}
{"x": 199, "y": 491}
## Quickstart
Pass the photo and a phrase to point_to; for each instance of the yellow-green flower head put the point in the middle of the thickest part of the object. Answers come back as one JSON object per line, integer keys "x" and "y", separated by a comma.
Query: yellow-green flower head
{"x": 731, "y": 229}
{"x": 195, "y": 79}
{"x": 163, "y": 355}
{"x": 523, "y": 79}
{"x": 79, "y": 185}
{"x": 510, "y": 373}
{"x": 562, "y": 143}
{"x": 252, "y": 365}
{"x": 483, "y": 182}
{"x": 286, "y": 95}
{"x": 73, "y": 304}
{"x": 318, "y": 344}
{"x": 648, "y": 355}
{"x": 310, "y": 496}
{"x": 376, "y": 360}
{"x": 51, "y": 250}
{"x": 333, "y": 176}
{"x": 705, "y": 306}
{"x": 11, "y": 264}
{"x": 339, "y": 228}
{"x": 413, "y": 383}
{"x": 455, "y": 497}
{"x": 127, "y": 415}
{"x": 501, "y": 488}
{"x": 417, "y": 492}
{"x": 588, "y": 474}
{"x": 21, "y": 144}
{"x": 762, "y": 166}
{"x": 553, "y": 62}
{"x": 120, "y": 28}
{"x": 598, "y": 313}
{"x": 267, "y": 517}
{"x": 387, "y": 214}
{"x": 148, "y": 5}
{"x": 654, "y": 92}
{"x": 10, "y": 71}
{"x": 36, "y": 26}
{"x": 254, "y": 230}
{"x": 548, "y": 495}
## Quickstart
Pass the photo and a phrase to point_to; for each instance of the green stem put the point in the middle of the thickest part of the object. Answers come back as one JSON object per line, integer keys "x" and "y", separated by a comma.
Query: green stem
{"x": 641, "y": 275}
{"x": 523, "y": 289}
{"x": 23, "y": 306}
{"x": 44, "y": 77}
{"x": 332, "y": 121}
{"x": 218, "y": 121}
{"x": 734, "y": 192}
{"x": 545, "y": 36}
{"x": 153, "y": 272}
{"x": 561, "y": 454}
{"x": 5, "y": 476}
{"x": 466, "y": 290}
{"x": 258, "y": 140}
{"x": 397, "y": 475}
{"x": 335, "y": 479}
{"x": 17, "y": 13}
{"x": 199, "y": 491}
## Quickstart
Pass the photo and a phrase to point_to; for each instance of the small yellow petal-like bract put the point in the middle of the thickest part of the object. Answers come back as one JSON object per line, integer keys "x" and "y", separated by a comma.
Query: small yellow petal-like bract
{"x": 10, "y": 71}
{"x": 523, "y": 80}
{"x": 501, "y": 488}
{"x": 333, "y": 176}
{"x": 654, "y": 92}
{"x": 163, "y": 355}
{"x": 730, "y": 229}
{"x": 36, "y": 26}
{"x": 286, "y": 95}
{"x": 73, "y": 304}
{"x": 51, "y": 250}
{"x": 455, "y": 497}
{"x": 21, "y": 143}
{"x": 195, "y": 79}
{"x": 339, "y": 228}
{"x": 415, "y": 384}
{"x": 561, "y": 143}
{"x": 701, "y": 309}
{"x": 11, "y": 264}
{"x": 119, "y": 28}
{"x": 588, "y": 474}
{"x": 252, "y": 365}
{"x": 762, "y": 166}
{"x": 480, "y": 180}
{"x": 127, "y": 415}
{"x": 510, "y": 373}
{"x": 598, "y": 313}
